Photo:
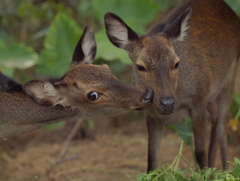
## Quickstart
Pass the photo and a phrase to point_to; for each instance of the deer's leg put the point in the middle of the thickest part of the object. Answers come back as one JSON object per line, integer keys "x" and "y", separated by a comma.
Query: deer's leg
{"x": 224, "y": 102}
{"x": 213, "y": 110}
{"x": 221, "y": 131}
{"x": 222, "y": 138}
{"x": 199, "y": 130}
{"x": 154, "y": 136}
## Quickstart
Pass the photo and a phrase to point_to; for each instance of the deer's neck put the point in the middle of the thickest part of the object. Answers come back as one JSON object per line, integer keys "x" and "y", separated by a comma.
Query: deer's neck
{"x": 18, "y": 113}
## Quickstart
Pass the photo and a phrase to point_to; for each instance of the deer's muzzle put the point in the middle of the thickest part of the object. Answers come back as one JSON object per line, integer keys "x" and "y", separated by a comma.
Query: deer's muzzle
{"x": 148, "y": 97}
{"x": 167, "y": 105}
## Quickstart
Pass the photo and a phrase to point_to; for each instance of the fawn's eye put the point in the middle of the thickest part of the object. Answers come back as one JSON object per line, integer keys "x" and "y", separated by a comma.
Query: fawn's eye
{"x": 93, "y": 96}
{"x": 141, "y": 68}
{"x": 176, "y": 65}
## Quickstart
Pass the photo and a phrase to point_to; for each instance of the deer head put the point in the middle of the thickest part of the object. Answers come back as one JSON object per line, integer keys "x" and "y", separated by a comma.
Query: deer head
{"x": 91, "y": 88}
{"x": 155, "y": 61}
{"x": 86, "y": 90}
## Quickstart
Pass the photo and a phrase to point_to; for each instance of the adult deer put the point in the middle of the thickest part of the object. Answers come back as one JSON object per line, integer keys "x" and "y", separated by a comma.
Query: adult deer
{"x": 85, "y": 91}
{"x": 189, "y": 59}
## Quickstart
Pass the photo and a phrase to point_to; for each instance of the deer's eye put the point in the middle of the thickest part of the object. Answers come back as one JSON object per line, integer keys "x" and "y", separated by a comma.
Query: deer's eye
{"x": 176, "y": 65}
{"x": 93, "y": 96}
{"x": 141, "y": 68}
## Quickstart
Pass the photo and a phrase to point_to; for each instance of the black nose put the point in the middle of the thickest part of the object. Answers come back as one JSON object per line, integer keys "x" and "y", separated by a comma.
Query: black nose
{"x": 167, "y": 104}
{"x": 148, "y": 97}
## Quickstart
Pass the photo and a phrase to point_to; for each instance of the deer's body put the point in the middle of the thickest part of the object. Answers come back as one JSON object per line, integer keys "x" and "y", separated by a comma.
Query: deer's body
{"x": 86, "y": 90}
{"x": 19, "y": 114}
{"x": 189, "y": 60}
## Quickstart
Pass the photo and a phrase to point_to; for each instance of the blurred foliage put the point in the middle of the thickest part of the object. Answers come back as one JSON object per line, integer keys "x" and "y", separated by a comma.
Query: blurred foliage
{"x": 52, "y": 29}
{"x": 16, "y": 55}
{"x": 54, "y": 126}
{"x": 59, "y": 43}
{"x": 134, "y": 12}
{"x": 184, "y": 130}
{"x": 109, "y": 52}
{"x": 43, "y": 33}
{"x": 234, "y": 4}
{"x": 88, "y": 122}
{"x": 234, "y": 123}
{"x": 166, "y": 4}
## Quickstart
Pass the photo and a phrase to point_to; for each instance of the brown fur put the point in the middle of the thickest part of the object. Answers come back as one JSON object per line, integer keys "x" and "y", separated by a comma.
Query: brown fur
{"x": 204, "y": 37}
{"x": 37, "y": 103}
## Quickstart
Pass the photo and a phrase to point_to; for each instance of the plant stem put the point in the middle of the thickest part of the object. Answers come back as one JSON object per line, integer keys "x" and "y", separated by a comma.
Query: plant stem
{"x": 193, "y": 154}
{"x": 179, "y": 156}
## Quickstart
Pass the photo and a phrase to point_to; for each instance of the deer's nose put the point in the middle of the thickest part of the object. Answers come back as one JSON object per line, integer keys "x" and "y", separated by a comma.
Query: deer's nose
{"x": 148, "y": 97}
{"x": 167, "y": 104}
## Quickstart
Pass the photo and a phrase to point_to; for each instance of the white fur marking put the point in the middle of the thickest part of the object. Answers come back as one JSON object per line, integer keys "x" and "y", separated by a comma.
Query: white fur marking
{"x": 120, "y": 32}
{"x": 50, "y": 91}
{"x": 184, "y": 28}
{"x": 87, "y": 45}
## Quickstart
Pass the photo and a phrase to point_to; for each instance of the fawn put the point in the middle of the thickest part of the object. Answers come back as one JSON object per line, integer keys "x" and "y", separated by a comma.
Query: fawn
{"x": 86, "y": 90}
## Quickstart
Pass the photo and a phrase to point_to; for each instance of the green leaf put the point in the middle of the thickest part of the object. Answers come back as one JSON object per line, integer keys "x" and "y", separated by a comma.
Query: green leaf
{"x": 2, "y": 44}
{"x": 165, "y": 173}
{"x": 179, "y": 177}
{"x": 236, "y": 171}
{"x": 89, "y": 123}
{"x": 168, "y": 177}
{"x": 237, "y": 161}
{"x": 164, "y": 4}
{"x": 85, "y": 8}
{"x": 195, "y": 176}
{"x": 54, "y": 126}
{"x": 7, "y": 71}
{"x": 107, "y": 51}
{"x": 141, "y": 177}
{"x": 184, "y": 130}
{"x": 135, "y": 13}
{"x": 236, "y": 99}
{"x": 4, "y": 36}
{"x": 209, "y": 172}
{"x": 234, "y": 4}
{"x": 59, "y": 44}
{"x": 17, "y": 55}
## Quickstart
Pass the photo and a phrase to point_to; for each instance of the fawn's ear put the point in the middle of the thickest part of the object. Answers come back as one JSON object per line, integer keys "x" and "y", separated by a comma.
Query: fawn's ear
{"x": 177, "y": 30}
{"x": 86, "y": 48}
{"x": 119, "y": 33}
{"x": 43, "y": 93}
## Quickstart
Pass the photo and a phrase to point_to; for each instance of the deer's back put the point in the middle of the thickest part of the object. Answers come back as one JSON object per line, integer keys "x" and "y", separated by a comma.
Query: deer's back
{"x": 17, "y": 106}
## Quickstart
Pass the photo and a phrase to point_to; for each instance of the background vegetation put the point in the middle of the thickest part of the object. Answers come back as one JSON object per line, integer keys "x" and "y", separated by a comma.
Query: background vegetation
{"x": 37, "y": 38}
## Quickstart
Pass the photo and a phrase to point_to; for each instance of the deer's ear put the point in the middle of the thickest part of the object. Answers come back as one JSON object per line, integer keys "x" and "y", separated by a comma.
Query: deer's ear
{"x": 86, "y": 48}
{"x": 118, "y": 32}
{"x": 177, "y": 30}
{"x": 43, "y": 93}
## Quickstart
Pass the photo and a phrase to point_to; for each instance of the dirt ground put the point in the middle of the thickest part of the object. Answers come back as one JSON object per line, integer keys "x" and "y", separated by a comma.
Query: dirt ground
{"x": 112, "y": 151}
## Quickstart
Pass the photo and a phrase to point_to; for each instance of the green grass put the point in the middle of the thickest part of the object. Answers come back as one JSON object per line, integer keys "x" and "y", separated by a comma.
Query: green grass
{"x": 192, "y": 173}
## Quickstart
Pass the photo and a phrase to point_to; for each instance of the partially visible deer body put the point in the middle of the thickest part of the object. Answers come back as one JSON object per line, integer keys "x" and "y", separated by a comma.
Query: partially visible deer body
{"x": 189, "y": 60}
{"x": 85, "y": 91}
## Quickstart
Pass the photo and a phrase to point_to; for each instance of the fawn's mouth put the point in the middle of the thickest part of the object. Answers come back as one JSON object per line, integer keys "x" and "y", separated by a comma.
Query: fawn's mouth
{"x": 140, "y": 109}
{"x": 143, "y": 108}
